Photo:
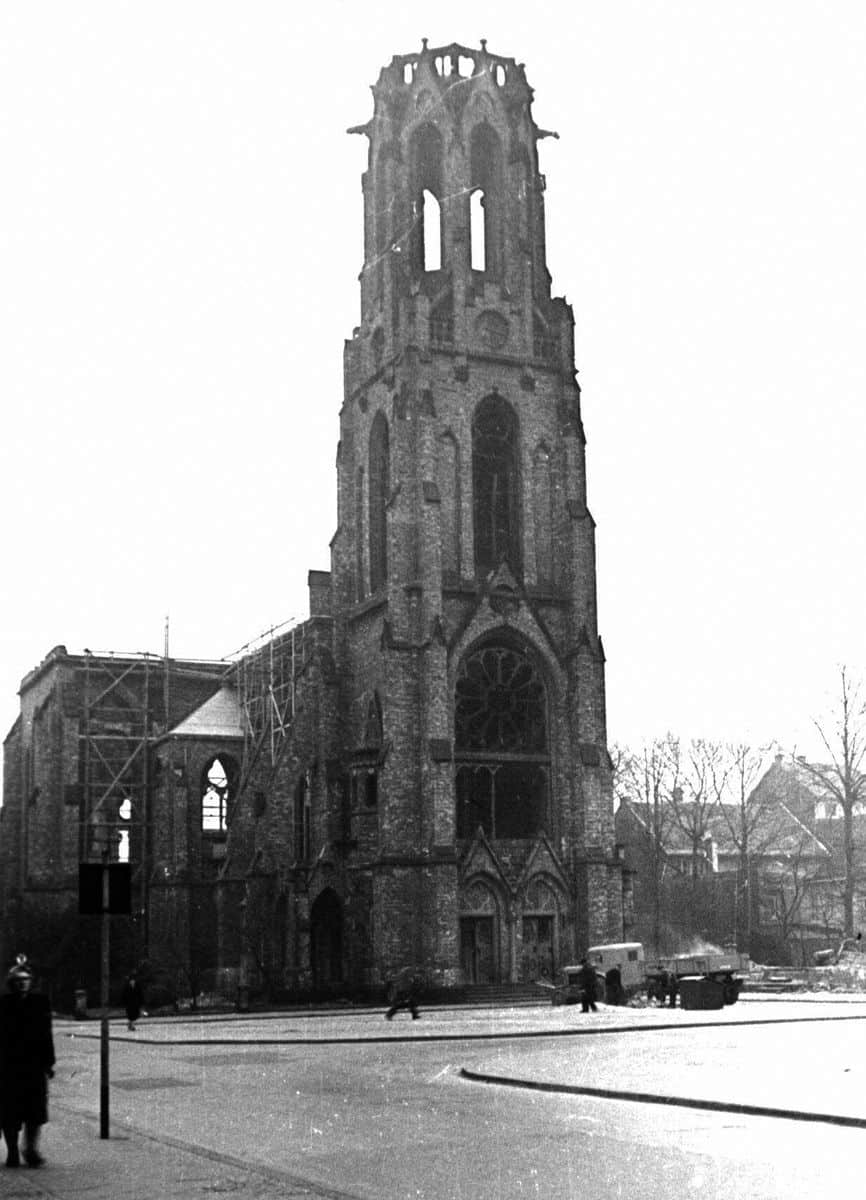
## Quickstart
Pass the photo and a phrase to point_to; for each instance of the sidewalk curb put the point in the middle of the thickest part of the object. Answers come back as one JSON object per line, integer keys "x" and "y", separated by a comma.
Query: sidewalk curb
{"x": 513, "y": 1035}
{"x": 749, "y": 1110}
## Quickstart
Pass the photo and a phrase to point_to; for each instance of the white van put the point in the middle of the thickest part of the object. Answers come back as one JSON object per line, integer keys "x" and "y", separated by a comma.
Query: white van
{"x": 628, "y": 956}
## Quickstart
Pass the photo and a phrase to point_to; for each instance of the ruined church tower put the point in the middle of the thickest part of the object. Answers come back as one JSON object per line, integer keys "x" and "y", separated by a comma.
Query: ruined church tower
{"x": 480, "y": 827}
{"x": 417, "y": 775}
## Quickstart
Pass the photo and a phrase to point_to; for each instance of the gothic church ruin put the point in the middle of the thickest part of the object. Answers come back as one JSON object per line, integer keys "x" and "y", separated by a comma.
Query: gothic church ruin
{"x": 417, "y": 774}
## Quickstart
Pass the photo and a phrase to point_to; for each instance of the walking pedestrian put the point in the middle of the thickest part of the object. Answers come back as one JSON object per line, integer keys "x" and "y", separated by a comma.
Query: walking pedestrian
{"x": 588, "y": 987}
{"x": 402, "y": 992}
{"x": 26, "y": 1064}
{"x": 133, "y": 1000}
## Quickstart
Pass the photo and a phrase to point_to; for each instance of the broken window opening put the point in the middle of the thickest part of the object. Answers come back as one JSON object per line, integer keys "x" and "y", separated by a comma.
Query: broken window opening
{"x": 486, "y": 176}
{"x": 431, "y": 218}
{"x": 477, "y": 236}
{"x": 214, "y": 802}
{"x": 124, "y": 812}
{"x": 426, "y": 177}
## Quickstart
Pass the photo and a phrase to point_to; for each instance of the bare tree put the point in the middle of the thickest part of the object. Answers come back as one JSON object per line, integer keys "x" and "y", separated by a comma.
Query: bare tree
{"x": 787, "y": 883}
{"x": 751, "y": 819}
{"x": 642, "y": 780}
{"x": 843, "y": 734}
{"x": 697, "y": 772}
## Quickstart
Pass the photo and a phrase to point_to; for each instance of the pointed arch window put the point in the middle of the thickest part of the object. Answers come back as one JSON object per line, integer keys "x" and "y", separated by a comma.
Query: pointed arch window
{"x": 500, "y": 744}
{"x": 432, "y": 222}
{"x": 360, "y": 589}
{"x": 303, "y": 819}
{"x": 451, "y": 507}
{"x": 486, "y": 203}
{"x": 477, "y": 232}
{"x": 426, "y": 171}
{"x": 542, "y": 514}
{"x": 495, "y": 486}
{"x": 379, "y": 490}
{"x": 215, "y": 799}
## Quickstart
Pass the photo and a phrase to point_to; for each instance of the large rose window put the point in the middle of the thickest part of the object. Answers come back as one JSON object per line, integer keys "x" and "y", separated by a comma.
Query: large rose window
{"x": 500, "y": 745}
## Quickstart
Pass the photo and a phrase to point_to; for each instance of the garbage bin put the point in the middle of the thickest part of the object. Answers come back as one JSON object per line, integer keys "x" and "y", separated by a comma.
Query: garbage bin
{"x": 701, "y": 993}
{"x": 80, "y": 1004}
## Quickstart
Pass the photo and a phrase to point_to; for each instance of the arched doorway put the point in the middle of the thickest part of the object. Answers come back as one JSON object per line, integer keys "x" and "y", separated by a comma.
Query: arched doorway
{"x": 539, "y": 932}
{"x": 479, "y": 934}
{"x": 326, "y": 940}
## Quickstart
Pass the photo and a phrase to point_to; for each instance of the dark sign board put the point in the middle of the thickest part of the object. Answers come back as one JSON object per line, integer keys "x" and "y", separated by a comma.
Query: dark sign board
{"x": 91, "y": 893}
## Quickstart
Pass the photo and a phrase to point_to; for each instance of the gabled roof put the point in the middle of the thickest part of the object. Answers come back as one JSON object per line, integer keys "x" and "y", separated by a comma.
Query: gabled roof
{"x": 219, "y": 717}
{"x": 773, "y": 832}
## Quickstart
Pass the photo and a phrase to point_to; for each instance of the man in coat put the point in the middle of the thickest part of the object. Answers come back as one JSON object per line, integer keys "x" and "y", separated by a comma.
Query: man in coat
{"x": 26, "y": 1064}
{"x": 133, "y": 1001}
{"x": 588, "y": 987}
{"x": 403, "y": 992}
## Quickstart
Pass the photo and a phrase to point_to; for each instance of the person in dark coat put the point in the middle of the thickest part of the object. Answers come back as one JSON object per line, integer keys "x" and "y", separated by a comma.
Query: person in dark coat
{"x": 26, "y": 1064}
{"x": 588, "y": 987}
{"x": 132, "y": 998}
{"x": 613, "y": 989}
{"x": 402, "y": 992}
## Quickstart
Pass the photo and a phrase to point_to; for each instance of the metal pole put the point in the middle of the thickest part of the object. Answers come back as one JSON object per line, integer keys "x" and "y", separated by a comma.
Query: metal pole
{"x": 104, "y": 997}
{"x": 144, "y": 818}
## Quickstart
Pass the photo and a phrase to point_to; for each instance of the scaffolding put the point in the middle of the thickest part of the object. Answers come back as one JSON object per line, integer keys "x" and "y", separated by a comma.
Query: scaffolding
{"x": 125, "y": 705}
{"x": 114, "y": 761}
{"x": 265, "y": 674}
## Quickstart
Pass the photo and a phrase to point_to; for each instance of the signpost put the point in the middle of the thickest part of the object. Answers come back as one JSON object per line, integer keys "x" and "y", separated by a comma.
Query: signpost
{"x": 103, "y": 890}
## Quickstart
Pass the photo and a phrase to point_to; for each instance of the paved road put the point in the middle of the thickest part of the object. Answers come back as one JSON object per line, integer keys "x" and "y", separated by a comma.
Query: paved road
{"x": 349, "y": 1105}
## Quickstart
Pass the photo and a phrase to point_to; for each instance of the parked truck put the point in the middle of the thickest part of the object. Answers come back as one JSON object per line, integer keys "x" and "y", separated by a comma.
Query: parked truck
{"x": 626, "y": 959}
{"x": 710, "y": 980}
{"x": 682, "y": 974}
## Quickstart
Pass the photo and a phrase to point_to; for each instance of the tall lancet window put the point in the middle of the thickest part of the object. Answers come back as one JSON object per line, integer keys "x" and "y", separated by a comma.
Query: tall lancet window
{"x": 432, "y": 218}
{"x": 379, "y": 490}
{"x": 485, "y": 202}
{"x": 495, "y": 486}
{"x": 426, "y": 167}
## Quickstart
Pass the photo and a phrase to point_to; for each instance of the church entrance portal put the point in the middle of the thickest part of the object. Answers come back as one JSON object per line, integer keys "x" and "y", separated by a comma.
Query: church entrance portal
{"x": 326, "y": 940}
{"x": 477, "y": 954}
{"x": 537, "y": 959}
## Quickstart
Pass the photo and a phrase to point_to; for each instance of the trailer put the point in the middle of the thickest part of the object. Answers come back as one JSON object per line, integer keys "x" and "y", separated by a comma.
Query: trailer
{"x": 700, "y": 980}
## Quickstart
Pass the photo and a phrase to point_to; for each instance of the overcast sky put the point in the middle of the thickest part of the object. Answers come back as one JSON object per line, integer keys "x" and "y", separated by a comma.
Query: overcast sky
{"x": 180, "y": 240}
